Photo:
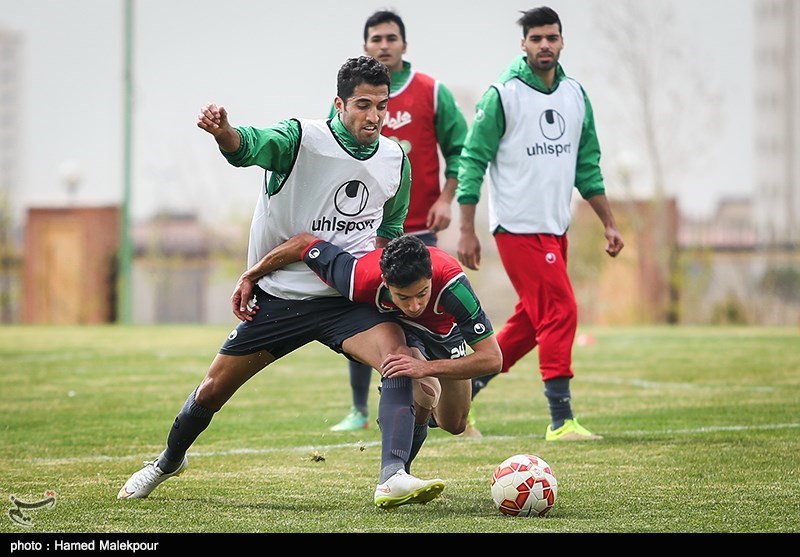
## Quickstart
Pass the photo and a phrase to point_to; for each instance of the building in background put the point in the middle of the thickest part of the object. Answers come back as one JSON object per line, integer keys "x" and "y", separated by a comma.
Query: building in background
{"x": 777, "y": 128}
{"x": 184, "y": 270}
{"x": 70, "y": 265}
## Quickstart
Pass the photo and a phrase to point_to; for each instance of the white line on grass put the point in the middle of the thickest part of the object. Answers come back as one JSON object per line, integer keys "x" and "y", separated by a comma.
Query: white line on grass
{"x": 668, "y": 385}
{"x": 713, "y": 429}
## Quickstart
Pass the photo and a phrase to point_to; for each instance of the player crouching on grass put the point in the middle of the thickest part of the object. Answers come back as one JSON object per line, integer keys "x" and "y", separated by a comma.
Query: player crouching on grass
{"x": 427, "y": 290}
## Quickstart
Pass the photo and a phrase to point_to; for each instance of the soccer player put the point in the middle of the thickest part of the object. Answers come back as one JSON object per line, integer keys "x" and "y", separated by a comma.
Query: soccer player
{"x": 425, "y": 120}
{"x": 350, "y": 185}
{"x": 535, "y": 131}
{"x": 427, "y": 290}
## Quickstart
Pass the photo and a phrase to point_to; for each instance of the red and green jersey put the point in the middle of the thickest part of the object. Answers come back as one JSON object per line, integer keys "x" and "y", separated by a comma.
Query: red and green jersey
{"x": 453, "y": 304}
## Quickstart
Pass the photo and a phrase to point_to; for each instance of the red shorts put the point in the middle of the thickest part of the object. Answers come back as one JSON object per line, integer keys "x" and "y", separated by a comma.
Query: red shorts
{"x": 546, "y": 314}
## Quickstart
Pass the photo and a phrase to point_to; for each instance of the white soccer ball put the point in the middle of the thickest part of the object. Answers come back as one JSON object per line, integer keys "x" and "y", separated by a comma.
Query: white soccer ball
{"x": 524, "y": 485}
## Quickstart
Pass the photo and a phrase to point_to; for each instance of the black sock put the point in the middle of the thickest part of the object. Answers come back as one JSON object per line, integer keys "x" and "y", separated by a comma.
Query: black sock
{"x": 420, "y": 433}
{"x": 558, "y": 398}
{"x": 396, "y": 418}
{"x": 360, "y": 377}
{"x": 189, "y": 423}
{"x": 479, "y": 383}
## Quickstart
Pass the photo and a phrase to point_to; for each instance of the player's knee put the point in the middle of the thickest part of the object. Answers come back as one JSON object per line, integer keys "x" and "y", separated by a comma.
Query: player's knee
{"x": 453, "y": 424}
{"x": 426, "y": 392}
{"x": 208, "y": 394}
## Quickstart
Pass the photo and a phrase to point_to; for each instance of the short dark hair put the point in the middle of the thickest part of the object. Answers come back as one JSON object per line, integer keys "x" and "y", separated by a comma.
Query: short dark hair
{"x": 362, "y": 69}
{"x": 405, "y": 260}
{"x": 536, "y": 17}
{"x": 384, "y": 16}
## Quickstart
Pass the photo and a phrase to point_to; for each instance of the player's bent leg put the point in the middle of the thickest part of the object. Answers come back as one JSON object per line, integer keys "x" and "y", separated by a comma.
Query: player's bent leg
{"x": 227, "y": 374}
{"x": 373, "y": 345}
{"x": 396, "y": 417}
{"x": 454, "y": 403}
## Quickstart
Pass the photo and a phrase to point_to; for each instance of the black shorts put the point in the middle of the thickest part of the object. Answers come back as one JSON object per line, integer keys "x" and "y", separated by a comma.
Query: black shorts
{"x": 433, "y": 346}
{"x": 281, "y": 326}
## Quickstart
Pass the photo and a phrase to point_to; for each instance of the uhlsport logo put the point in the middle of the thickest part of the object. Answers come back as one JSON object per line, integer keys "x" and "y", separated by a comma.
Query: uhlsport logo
{"x": 552, "y": 124}
{"x": 550, "y": 257}
{"x": 479, "y": 328}
{"x": 313, "y": 253}
{"x": 351, "y": 198}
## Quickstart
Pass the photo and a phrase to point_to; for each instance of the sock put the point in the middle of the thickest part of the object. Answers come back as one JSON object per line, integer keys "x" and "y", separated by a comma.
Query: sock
{"x": 479, "y": 383}
{"x": 420, "y": 433}
{"x": 360, "y": 377}
{"x": 558, "y": 397}
{"x": 190, "y": 422}
{"x": 396, "y": 419}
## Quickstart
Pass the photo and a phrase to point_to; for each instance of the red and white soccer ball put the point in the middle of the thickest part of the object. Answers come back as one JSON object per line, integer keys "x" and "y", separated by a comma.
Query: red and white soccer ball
{"x": 524, "y": 485}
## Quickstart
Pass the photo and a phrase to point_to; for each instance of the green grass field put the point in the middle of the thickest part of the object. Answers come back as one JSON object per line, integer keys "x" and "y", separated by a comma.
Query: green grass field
{"x": 701, "y": 426}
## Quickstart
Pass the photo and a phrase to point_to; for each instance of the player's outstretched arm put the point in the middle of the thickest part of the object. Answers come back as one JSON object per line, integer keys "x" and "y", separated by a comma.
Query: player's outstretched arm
{"x": 290, "y": 251}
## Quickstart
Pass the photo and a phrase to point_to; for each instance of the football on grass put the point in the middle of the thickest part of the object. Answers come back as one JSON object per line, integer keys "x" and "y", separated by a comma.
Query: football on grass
{"x": 524, "y": 485}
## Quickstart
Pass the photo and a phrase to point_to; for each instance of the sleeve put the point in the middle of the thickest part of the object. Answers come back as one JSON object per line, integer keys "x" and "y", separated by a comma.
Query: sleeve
{"x": 332, "y": 265}
{"x": 460, "y": 301}
{"x": 451, "y": 130}
{"x": 480, "y": 147}
{"x": 396, "y": 208}
{"x": 273, "y": 148}
{"x": 588, "y": 176}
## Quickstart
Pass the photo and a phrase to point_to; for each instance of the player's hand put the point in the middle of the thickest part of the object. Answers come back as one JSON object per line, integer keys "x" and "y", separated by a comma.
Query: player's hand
{"x": 439, "y": 216}
{"x": 213, "y": 119}
{"x": 403, "y": 365}
{"x": 469, "y": 250}
{"x": 615, "y": 243}
{"x": 242, "y": 300}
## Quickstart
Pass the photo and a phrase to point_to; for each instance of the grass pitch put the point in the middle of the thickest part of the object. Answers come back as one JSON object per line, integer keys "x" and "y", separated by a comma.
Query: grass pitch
{"x": 701, "y": 426}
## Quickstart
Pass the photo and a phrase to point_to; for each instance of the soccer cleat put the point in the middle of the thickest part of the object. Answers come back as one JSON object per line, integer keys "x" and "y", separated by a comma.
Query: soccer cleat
{"x": 471, "y": 430}
{"x": 405, "y": 489}
{"x": 570, "y": 431}
{"x": 354, "y": 421}
{"x": 147, "y": 479}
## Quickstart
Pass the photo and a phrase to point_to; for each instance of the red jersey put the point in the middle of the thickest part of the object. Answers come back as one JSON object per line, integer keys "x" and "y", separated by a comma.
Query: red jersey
{"x": 453, "y": 304}
{"x": 411, "y": 121}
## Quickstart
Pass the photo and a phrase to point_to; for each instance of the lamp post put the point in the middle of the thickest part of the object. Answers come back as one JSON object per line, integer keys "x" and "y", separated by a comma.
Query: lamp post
{"x": 124, "y": 280}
